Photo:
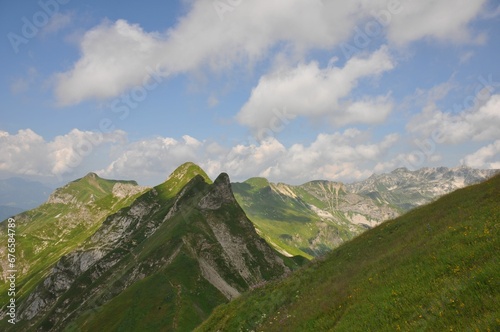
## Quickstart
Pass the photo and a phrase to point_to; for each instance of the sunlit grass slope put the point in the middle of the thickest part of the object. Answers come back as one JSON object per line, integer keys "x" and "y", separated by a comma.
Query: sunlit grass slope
{"x": 434, "y": 269}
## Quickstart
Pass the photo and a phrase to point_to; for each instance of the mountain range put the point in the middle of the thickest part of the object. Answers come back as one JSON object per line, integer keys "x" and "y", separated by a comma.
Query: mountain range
{"x": 313, "y": 218}
{"x": 435, "y": 268}
{"x": 107, "y": 254}
{"x": 170, "y": 253}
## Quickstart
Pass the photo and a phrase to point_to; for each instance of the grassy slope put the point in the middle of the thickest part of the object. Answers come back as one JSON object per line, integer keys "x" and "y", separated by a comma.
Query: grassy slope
{"x": 273, "y": 216}
{"x": 286, "y": 222}
{"x": 435, "y": 268}
{"x": 48, "y": 232}
{"x": 172, "y": 295}
{"x": 175, "y": 297}
{"x": 166, "y": 297}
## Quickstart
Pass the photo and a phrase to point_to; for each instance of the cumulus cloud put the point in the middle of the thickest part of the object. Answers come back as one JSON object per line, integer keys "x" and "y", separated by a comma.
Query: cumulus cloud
{"x": 115, "y": 56}
{"x": 478, "y": 124}
{"x": 432, "y": 19}
{"x": 338, "y": 156}
{"x": 342, "y": 156}
{"x": 486, "y": 157}
{"x": 152, "y": 158}
{"x": 27, "y": 153}
{"x": 156, "y": 157}
{"x": 308, "y": 90}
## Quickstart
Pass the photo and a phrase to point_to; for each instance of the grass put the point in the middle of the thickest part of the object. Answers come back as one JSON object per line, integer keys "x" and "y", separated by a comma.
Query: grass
{"x": 46, "y": 233}
{"x": 435, "y": 268}
{"x": 166, "y": 298}
{"x": 152, "y": 281}
{"x": 173, "y": 296}
{"x": 287, "y": 223}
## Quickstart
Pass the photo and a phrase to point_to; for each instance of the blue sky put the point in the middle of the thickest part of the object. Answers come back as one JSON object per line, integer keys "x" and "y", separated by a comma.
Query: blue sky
{"x": 291, "y": 90}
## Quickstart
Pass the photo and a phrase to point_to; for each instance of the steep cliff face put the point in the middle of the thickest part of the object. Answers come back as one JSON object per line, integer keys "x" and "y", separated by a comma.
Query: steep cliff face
{"x": 181, "y": 248}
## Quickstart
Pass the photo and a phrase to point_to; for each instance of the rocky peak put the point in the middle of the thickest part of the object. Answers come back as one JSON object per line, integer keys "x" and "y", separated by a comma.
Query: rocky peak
{"x": 197, "y": 229}
{"x": 220, "y": 194}
{"x": 400, "y": 170}
{"x": 91, "y": 175}
{"x": 222, "y": 179}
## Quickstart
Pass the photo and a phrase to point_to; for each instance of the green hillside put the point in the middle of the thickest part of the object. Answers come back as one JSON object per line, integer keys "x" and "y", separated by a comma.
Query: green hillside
{"x": 71, "y": 215}
{"x": 161, "y": 263}
{"x": 283, "y": 216}
{"x": 435, "y": 269}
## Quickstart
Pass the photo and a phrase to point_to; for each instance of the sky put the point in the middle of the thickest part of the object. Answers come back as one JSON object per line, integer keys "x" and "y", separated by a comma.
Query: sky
{"x": 291, "y": 90}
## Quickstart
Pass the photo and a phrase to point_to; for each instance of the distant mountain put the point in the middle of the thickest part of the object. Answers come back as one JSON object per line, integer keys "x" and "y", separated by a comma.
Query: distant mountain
{"x": 313, "y": 218}
{"x": 18, "y": 195}
{"x": 435, "y": 268}
{"x": 293, "y": 219}
{"x": 408, "y": 189}
{"x": 111, "y": 255}
{"x": 162, "y": 262}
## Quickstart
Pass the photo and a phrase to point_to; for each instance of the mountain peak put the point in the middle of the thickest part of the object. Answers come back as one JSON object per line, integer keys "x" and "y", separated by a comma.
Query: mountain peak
{"x": 223, "y": 178}
{"x": 400, "y": 170}
{"x": 179, "y": 178}
{"x": 186, "y": 231}
{"x": 221, "y": 193}
{"x": 257, "y": 182}
{"x": 91, "y": 175}
{"x": 188, "y": 171}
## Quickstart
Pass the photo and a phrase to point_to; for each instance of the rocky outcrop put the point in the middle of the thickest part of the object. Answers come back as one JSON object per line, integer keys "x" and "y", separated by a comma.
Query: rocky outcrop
{"x": 221, "y": 194}
{"x": 201, "y": 228}
{"x": 60, "y": 197}
{"x": 122, "y": 190}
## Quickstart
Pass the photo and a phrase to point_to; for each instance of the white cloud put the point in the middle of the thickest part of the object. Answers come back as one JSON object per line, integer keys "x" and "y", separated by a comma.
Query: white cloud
{"x": 115, "y": 56}
{"x": 338, "y": 156}
{"x": 308, "y": 90}
{"x": 444, "y": 20}
{"x": 244, "y": 161}
{"x": 486, "y": 157}
{"x": 152, "y": 158}
{"x": 478, "y": 124}
{"x": 27, "y": 153}
{"x": 343, "y": 156}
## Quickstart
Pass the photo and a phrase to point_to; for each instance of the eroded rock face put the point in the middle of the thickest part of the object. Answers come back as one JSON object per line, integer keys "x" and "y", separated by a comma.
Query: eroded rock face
{"x": 59, "y": 280}
{"x": 73, "y": 265}
{"x": 61, "y": 198}
{"x": 122, "y": 190}
{"x": 238, "y": 239}
{"x": 223, "y": 246}
{"x": 221, "y": 194}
